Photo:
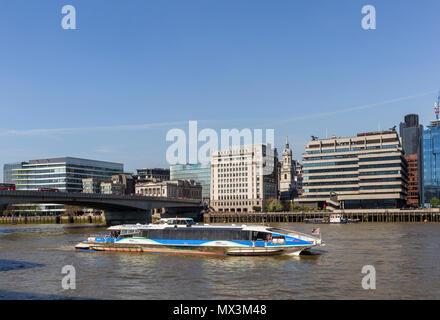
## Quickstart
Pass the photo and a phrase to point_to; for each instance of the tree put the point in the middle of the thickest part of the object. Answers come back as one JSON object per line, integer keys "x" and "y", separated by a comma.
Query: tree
{"x": 256, "y": 208}
{"x": 288, "y": 206}
{"x": 273, "y": 205}
{"x": 8, "y": 211}
{"x": 267, "y": 203}
{"x": 434, "y": 202}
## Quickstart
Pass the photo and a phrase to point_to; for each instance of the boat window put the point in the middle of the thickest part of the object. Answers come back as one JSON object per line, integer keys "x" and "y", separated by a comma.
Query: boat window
{"x": 277, "y": 230}
{"x": 278, "y": 240}
{"x": 173, "y": 222}
{"x": 197, "y": 234}
{"x": 181, "y": 222}
{"x": 129, "y": 233}
{"x": 256, "y": 235}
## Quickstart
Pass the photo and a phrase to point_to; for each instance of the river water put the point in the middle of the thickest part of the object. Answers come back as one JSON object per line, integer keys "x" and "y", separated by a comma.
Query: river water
{"x": 406, "y": 258}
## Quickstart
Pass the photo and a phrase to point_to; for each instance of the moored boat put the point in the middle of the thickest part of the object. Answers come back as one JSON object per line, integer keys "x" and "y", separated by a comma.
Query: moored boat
{"x": 182, "y": 235}
{"x": 337, "y": 218}
{"x": 333, "y": 219}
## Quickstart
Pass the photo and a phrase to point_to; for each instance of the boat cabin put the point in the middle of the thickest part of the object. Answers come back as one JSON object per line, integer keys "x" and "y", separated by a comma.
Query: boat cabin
{"x": 175, "y": 221}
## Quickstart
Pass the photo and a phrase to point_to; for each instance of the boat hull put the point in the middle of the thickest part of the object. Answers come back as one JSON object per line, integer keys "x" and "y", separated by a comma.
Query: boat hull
{"x": 186, "y": 249}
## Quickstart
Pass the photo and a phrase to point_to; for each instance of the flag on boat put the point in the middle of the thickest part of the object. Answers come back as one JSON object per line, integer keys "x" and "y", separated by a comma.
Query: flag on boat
{"x": 315, "y": 231}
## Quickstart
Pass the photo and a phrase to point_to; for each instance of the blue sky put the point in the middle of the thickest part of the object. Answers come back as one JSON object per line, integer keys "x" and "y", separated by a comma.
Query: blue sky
{"x": 133, "y": 70}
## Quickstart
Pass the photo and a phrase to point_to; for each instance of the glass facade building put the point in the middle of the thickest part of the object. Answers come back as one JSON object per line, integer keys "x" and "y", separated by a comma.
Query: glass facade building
{"x": 199, "y": 172}
{"x": 8, "y": 171}
{"x": 153, "y": 173}
{"x": 412, "y": 141}
{"x": 431, "y": 162}
{"x": 65, "y": 173}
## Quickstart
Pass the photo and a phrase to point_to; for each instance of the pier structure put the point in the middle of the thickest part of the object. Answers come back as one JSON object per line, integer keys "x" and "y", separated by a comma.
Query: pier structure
{"x": 373, "y": 215}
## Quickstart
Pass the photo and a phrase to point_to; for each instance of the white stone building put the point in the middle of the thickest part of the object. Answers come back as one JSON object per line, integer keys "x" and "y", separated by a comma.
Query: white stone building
{"x": 177, "y": 189}
{"x": 243, "y": 178}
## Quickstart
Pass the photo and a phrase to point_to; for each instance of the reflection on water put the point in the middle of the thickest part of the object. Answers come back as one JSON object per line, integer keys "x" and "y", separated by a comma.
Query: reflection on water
{"x": 6, "y": 265}
{"x": 405, "y": 257}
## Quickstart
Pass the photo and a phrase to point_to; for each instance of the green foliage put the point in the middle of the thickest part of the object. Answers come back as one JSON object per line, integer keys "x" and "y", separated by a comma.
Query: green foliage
{"x": 272, "y": 205}
{"x": 302, "y": 209}
{"x": 256, "y": 208}
{"x": 434, "y": 202}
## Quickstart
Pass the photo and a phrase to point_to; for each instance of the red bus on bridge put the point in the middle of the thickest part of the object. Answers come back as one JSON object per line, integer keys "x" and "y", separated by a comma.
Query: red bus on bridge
{"x": 45, "y": 189}
{"x": 7, "y": 186}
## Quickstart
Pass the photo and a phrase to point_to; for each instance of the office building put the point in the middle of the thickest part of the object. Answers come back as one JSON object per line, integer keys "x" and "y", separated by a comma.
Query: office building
{"x": 411, "y": 133}
{"x": 365, "y": 171}
{"x": 8, "y": 170}
{"x": 121, "y": 184}
{"x": 111, "y": 188}
{"x": 65, "y": 174}
{"x": 199, "y": 172}
{"x": 431, "y": 159}
{"x": 93, "y": 185}
{"x": 413, "y": 199}
{"x": 153, "y": 174}
{"x": 243, "y": 178}
{"x": 125, "y": 183}
{"x": 298, "y": 178}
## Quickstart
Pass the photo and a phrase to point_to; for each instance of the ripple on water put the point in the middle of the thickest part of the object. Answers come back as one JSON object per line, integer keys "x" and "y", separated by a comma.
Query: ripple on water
{"x": 405, "y": 257}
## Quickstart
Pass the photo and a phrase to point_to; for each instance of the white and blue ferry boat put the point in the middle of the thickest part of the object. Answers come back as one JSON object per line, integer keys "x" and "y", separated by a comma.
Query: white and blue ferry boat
{"x": 183, "y": 235}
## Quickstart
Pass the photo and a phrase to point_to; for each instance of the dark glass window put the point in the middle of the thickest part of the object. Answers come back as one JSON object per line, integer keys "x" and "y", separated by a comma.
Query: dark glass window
{"x": 197, "y": 234}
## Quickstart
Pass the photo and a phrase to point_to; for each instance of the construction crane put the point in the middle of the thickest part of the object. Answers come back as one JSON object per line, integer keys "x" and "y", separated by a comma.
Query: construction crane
{"x": 437, "y": 106}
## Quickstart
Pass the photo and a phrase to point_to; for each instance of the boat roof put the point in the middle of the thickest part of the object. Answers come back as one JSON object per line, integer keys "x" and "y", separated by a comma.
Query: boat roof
{"x": 243, "y": 227}
{"x": 160, "y": 226}
{"x": 257, "y": 228}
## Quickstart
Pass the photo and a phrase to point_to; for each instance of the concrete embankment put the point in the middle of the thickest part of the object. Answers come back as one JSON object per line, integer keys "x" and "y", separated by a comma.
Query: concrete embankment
{"x": 97, "y": 220}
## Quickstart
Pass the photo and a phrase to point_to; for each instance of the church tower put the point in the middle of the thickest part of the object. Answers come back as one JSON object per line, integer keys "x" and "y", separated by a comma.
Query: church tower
{"x": 288, "y": 171}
